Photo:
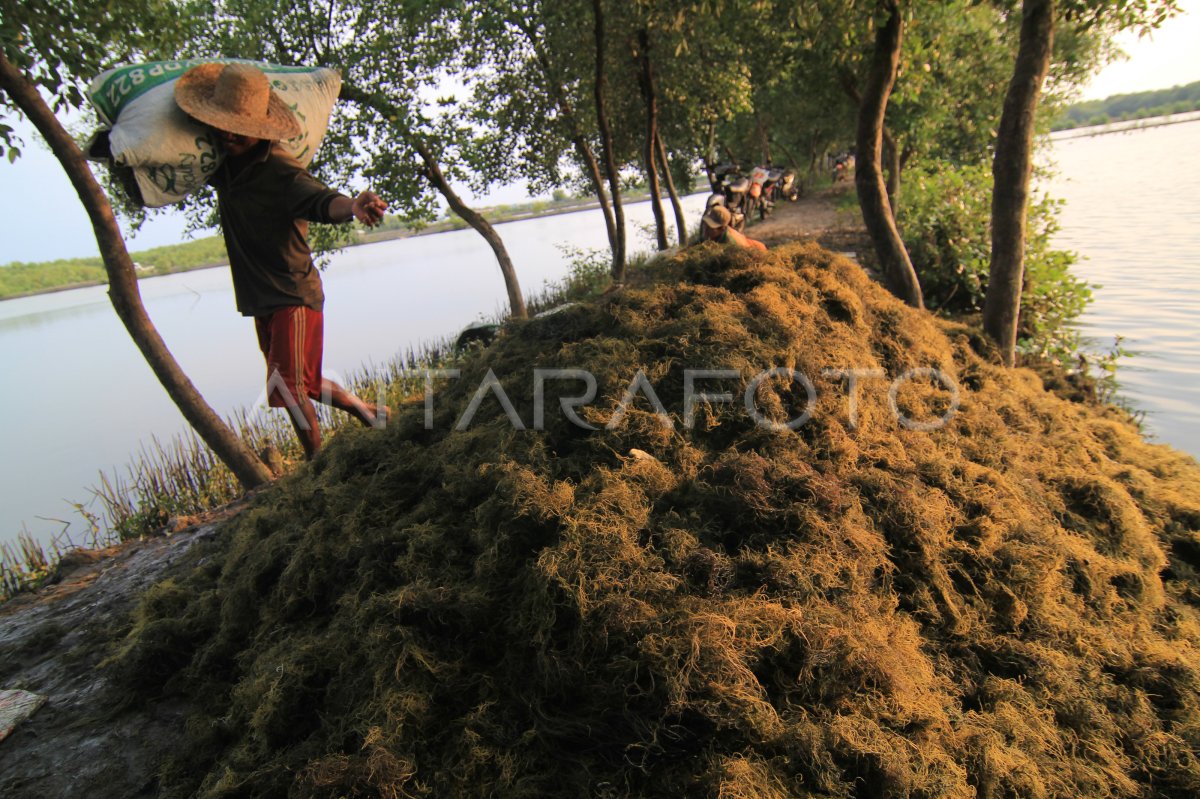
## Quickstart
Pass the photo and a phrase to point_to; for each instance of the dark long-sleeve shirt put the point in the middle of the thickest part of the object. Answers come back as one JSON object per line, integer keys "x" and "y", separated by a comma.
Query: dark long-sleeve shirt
{"x": 266, "y": 200}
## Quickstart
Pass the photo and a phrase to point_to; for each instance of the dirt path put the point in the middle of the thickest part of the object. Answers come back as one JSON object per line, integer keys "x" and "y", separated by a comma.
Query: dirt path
{"x": 816, "y": 216}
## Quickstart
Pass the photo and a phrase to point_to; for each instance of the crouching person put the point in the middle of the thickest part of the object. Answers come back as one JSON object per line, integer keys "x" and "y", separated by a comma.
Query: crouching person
{"x": 715, "y": 227}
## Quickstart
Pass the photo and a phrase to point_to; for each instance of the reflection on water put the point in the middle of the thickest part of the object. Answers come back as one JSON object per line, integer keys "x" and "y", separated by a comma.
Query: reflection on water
{"x": 1133, "y": 211}
{"x": 79, "y": 397}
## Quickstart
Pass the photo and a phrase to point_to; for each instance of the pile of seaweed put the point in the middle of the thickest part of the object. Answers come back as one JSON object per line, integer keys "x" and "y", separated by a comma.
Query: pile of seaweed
{"x": 1002, "y": 605}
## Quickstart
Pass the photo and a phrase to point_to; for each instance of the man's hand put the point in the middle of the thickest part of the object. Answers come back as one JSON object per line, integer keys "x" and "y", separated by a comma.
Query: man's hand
{"x": 368, "y": 208}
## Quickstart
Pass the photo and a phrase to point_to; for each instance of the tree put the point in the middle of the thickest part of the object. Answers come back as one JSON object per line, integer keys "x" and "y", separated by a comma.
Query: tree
{"x": 650, "y": 146}
{"x": 432, "y": 171}
{"x": 538, "y": 91}
{"x": 389, "y": 71}
{"x": 898, "y": 272}
{"x": 1013, "y": 162}
{"x": 607, "y": 146}
{"x": 1011, "y": 171}
{"x": 671, "y": 82}
{"x": 554, "y": 79}
{"x": 69, "y": 44}
{"x": 676, "y": 205}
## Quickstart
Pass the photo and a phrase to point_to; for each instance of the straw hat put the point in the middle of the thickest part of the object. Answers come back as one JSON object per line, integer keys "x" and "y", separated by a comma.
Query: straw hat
{"x": 717, "y": 216}
{"x": 236, "y": 98}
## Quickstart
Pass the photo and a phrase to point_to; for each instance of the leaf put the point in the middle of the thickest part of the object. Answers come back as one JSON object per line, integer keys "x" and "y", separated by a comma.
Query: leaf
{"x": 13, "y": 153}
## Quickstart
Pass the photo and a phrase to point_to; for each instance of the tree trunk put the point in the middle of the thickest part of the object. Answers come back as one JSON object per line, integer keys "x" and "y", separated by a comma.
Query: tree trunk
{"x": 680, "y": 219}
{"x": 1011, "y": 171}
{"x": 763, "y": 139}
{"x": 516, "y": 301}
{"x": 593, "y": 172}
{"x": 898, "y": 273}
{"x": 123, "y": 287}
{"x": 649, "y": 146}
{"x": 578, "y": 140}
{"x": 433, "y": 172}
{"x": 606, "y": 141}
{"x": 788, "y": 155}
{"x": 710, "y": 156}
{"x": 892, "y": 152}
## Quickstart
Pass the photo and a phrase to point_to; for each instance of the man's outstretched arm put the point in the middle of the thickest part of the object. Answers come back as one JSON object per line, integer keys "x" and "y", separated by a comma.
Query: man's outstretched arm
{"x": 367, "y": 208}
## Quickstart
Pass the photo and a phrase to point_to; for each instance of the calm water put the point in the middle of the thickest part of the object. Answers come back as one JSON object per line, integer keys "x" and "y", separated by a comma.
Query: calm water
{"x": 79, "y": 397}
{"x": 1133, "y": 211}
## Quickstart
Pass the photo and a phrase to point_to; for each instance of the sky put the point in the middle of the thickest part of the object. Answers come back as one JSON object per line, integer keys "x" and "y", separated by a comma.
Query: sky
{"x": 41, "y": 218}
{"x": 1170, "y": 56}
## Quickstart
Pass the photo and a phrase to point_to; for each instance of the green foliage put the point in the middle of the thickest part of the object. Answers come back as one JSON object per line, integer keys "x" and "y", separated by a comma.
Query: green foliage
{"x": 945, "y": 225}
{"x": 944, "y": 222}
{"x": 24, "y": 565}
{"x": 589, "y": 272}
{"x": 1138, "y": 105}
{"x": 1104, "y": 366}
{"x": 1053, "y": 297}
{"x": 18, "y": 279}
{"x": 61, "y": 44}
{"x": 957, "y": 59}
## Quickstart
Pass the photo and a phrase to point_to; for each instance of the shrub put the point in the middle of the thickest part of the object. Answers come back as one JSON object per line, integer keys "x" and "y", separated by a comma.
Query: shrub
{"x": 945, "y": 222}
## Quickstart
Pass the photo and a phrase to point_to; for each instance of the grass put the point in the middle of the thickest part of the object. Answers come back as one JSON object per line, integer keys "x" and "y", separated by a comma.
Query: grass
{"x": 24, "y": 564}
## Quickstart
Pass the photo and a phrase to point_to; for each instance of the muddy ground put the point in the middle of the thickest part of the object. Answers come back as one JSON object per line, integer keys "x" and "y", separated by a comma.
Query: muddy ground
{"x": 82, "y": 741}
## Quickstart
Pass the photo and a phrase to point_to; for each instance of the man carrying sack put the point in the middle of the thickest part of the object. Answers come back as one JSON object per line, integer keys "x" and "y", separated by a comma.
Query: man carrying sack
{"x": 266, "y": 200}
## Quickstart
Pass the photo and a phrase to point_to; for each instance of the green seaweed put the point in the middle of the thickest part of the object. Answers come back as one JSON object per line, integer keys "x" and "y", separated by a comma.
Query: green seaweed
{"x": 1005, "y": 606}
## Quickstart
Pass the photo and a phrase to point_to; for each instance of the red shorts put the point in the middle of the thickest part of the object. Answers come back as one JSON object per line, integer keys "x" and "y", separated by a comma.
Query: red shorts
{"x": 291, "y": 340}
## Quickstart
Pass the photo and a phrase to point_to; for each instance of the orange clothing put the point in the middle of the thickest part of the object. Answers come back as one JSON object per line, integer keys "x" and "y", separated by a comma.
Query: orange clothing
{"x": 743, "y": 240}
{"x": 292, "y": 341}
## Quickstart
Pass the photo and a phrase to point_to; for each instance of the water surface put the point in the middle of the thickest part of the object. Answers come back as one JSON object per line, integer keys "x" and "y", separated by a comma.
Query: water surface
{"x": 1133, "y": 211}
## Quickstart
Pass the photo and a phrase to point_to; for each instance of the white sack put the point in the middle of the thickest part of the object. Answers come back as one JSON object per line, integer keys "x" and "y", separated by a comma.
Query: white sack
{"x": 170, "y": 154}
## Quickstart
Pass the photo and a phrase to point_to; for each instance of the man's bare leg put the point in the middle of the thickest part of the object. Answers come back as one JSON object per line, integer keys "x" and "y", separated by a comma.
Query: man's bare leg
{"x": 343, "y": 400}
{"x": 304, "y": 415}
{"x": 304, "y": 421}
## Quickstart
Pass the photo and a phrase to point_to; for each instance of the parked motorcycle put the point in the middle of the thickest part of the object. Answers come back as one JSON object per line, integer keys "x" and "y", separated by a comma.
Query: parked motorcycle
{"x": 756, "y": 201}
{"x": 777, "y": 184}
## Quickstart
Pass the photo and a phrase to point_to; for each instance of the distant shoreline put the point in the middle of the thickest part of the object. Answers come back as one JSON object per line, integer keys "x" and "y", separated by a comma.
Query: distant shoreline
{"x": 1125, "y": 126}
